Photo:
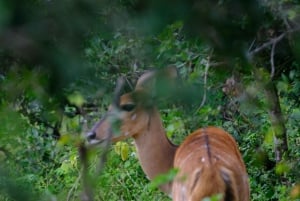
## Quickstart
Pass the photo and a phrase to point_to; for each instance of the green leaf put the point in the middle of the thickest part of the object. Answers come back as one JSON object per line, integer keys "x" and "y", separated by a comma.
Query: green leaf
{"x": 269, "y": 137}
{"x": 122, "y": 149}
{"x": 163, "y": 178}
{"x": 216, "y": 197}
{"x": 76, "y": 99}
{"x": 296, "y": 114}
{"x": 291, "y": 14}
{"x": 282, "y": 167}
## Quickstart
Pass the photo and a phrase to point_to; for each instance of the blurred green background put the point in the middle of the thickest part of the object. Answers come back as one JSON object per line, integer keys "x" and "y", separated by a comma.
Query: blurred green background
{"x": 59, "y": 61}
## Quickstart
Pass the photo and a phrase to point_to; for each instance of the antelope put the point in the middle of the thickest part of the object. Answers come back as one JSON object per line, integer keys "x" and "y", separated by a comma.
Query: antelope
{"x": 208, "y": 160}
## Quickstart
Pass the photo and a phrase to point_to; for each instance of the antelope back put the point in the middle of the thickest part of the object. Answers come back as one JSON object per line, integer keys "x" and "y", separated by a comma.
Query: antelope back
{"x": 210, "y": 163}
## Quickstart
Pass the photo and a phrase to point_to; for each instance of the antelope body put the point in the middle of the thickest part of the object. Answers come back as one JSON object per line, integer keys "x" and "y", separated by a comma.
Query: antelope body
{"x": 208, "y": 160}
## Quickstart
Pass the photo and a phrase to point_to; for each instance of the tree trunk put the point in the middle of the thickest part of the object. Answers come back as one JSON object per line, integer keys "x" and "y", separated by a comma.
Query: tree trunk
{"x": 275, "y": 114}
{"x": 277, "y": 121}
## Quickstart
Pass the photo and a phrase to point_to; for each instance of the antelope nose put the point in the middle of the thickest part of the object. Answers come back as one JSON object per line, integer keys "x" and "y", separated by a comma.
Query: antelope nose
{"x": 91, "y": 136}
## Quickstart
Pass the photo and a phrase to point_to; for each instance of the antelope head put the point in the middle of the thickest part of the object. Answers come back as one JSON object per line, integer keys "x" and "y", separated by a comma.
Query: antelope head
{"x": 131, "y": 114}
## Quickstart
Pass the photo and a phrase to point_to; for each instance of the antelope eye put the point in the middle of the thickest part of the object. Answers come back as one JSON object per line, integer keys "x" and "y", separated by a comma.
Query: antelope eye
{"x": 128, "y": 107}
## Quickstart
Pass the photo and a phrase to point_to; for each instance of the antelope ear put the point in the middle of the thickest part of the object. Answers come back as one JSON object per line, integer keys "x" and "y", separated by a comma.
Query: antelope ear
{"x": 169, "y": 73}
{"x": 148, "y": 79}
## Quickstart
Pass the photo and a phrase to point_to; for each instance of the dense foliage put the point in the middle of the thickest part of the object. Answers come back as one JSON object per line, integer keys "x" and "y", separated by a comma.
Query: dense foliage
{"x": 239, "y": 69}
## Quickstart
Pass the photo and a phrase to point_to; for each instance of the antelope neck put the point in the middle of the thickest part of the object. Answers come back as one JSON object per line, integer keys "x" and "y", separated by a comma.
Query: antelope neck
{"x": 155, "y": 151}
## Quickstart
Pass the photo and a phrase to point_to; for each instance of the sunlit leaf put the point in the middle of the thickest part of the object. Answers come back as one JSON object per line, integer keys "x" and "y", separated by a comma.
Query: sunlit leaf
{"x": 64, "y": 139}
{"x": 117, "y": 147}
{"x": 124, "y": 151}
{"x": 76, "y": 99}
{"x": 293, "y": 13}
{"x": 217, "y": 197}
{"x": 282, "y": 167}
{"x": 269, "y": 137}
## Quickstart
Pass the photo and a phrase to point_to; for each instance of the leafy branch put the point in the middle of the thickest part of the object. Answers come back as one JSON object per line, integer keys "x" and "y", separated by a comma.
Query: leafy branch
{"x": 87, "y": 194}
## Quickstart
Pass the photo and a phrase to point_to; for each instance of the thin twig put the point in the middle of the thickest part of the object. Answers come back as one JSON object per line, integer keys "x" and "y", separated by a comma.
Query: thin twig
{"x": 116, "y": 106}
{"x": 215, "y": 64}
{"x": 287, "y": 24}
{"x": 70, "y": 193}
{"x": 207, "y": 65}
{"x": 252, "y": 44}
{"x": 272, "y": 60}
{"x": 87, "y": 194}
{"x": 205, "y": 81}
{"x": 129, "y": 83}
{"x": 103, "y": 157}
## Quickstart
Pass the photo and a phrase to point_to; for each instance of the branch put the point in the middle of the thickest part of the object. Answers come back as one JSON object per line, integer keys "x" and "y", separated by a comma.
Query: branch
{"x": 87, "y": 194}
{"x": 207, "y": 65}
{"x": 267, "y": 44}
{"x": 252, "y": 44}
{"x": 116, "y": 106}
{"x": 205, "y": 82}
{"x": 287, "y": 24}
{"x": 71, "y": 191}
{"x": 271, "y": 41}
{"x": 272, "y": 61}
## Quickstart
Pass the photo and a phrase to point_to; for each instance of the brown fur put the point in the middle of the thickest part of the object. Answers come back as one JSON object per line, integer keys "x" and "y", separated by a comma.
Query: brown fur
{"x": 210, "y": 167}
{"x": 209, "y": 161}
